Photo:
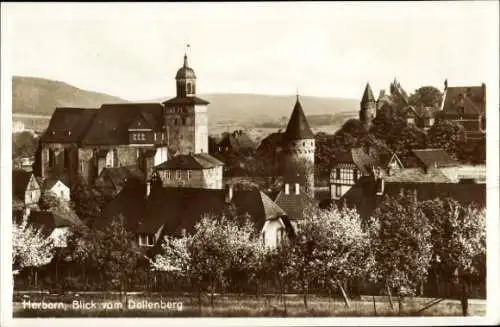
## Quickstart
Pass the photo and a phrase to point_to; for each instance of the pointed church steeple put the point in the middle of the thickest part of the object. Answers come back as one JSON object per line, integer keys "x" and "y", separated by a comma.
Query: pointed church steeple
{"x": 298, "y": 127}
{"x": 367, "y": 95}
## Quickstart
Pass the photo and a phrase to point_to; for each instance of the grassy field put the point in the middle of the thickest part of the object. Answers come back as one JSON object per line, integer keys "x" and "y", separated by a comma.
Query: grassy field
{"x": 109, "y": 305}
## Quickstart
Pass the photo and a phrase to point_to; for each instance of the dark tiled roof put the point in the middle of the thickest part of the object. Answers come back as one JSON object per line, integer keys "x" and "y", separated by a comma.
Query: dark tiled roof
{"x": 68, "y": 125}
{"x": 116, "y": 178}
{"x": 427, "y": 112}
{"x": 363, "y": 194}
{"x": 471, "y": 98}
{"x": 20, "y": 181}
{"x": 179, "y": 208}
{"x": 238, "y": 141}
{"x": 194, "y": 161}
{"x": 292, "y": 204}
{"x": 192, "y": 100}
{"x": 258, "y": 205}
{"x": 434, "y": 157}
{"x": 298, "y": 127}
{"x": 344, "y": 158}
{"x": 110, "y": 125}
{"x": 49, "y": 220}
{"x": 130, "y": 203}
{"x": 367, "y": 95}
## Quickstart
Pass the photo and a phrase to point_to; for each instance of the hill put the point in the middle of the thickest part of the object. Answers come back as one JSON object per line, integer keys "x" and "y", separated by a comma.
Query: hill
{"x": 39, "y": 96}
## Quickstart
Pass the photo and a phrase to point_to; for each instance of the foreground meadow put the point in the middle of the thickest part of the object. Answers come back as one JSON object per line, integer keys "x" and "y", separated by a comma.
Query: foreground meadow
{"x": 186, "y": 305}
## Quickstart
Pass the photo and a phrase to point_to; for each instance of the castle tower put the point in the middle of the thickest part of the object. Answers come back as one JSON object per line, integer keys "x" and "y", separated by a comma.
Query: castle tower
{"x": 298, "y": 154}
{"x": 367, "y": 108}
{"x": 186, "y": 115}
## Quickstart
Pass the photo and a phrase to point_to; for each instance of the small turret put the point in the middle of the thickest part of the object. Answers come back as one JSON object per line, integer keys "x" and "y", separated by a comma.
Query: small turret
{"x": 367, "y": 107}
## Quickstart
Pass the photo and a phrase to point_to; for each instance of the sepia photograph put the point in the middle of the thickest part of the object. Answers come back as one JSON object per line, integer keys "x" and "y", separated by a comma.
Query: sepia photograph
{"x": 274, "y": 160}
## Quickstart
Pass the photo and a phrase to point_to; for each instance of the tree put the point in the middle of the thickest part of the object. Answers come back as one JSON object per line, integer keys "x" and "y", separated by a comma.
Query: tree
{"x": 427, "y": 96}
{"x": 331, "y": 250}
{"x": 48, "y": 200}
{"x": 111, "y": 252}
{"x": 401, "y": 241}
{"x": 219, "y": 253}
{"x": 404, "y": 140}
{"x": 446, "y": 135}
{"x": 87, "y": 203}
{"x": 31, "y": 247}
{"x": 459, "y": 237}
{"x": 24, "y": 144}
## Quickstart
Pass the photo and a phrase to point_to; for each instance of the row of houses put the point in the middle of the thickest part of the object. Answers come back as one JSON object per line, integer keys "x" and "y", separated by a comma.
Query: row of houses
{"x": 152, "y": 158}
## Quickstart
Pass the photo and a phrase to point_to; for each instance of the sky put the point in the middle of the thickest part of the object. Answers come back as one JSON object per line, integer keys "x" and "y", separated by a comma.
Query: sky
{"x": 133, "y": 50}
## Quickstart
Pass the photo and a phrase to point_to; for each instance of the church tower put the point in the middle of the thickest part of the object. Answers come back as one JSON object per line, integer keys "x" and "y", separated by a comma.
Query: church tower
{"x": 298, "y": 154}
{"x": 368, "y": 108}
{"x": 186, "y": 115}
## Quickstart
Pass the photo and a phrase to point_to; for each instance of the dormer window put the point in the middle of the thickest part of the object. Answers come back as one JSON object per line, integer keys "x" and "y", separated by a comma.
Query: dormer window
{"x": 146, "y": 240}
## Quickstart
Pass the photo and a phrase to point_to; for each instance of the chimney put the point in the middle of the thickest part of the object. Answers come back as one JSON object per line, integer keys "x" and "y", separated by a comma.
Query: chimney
{"x": 483, "y": 86}
{"x": 445, "y": 84}
{"x": 229, "y": 194}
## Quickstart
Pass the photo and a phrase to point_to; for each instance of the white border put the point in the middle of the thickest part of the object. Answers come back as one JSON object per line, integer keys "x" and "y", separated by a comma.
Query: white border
{"x": 493, "y": 244}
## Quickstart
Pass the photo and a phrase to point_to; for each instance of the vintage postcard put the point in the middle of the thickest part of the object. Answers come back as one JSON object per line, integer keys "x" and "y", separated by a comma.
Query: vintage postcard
{"x": 250, "y": 163}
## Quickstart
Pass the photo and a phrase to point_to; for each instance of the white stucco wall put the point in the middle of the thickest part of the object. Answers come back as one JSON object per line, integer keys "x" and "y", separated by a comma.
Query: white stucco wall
{"x": 270, "y": 234}
{"x": 61, "y": 191}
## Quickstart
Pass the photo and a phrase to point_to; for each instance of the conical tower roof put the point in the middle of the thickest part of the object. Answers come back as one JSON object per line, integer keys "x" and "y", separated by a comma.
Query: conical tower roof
{"x": 298, "y": 128}
{"x": 367, "y": 95}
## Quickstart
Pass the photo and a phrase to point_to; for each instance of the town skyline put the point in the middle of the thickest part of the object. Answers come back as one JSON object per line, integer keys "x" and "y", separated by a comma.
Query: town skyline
{"x": 294, "y": 47}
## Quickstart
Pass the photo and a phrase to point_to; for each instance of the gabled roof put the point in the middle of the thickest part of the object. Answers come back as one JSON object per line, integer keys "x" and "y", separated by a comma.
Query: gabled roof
{"x": 237, "y": 140}
{"x": 20, "y": 181}
{"x": 427, "y": 112}
{"x": 434, "y": 158}
{"x": 144, "y": 120}
{"x": 68, "y": 125}
{"x": 417, "y": 175}
{"x": 367, "y": 95}
{"x": 193, "y": 161}
{"x": 191, "y": 100}
{"x": 50, "y": 183}
{"x": 110, "y": 125}
{"x": 298, "y": 127}
{"x": 179, "y": 208}
{"x": 49, "y": 220}
{"x": 471, "y": 98}
{"x": 293, "y": 204}
{"x": 367, "y": 157}
{"x": 116, "y": 178}
{"x": 258, "y": 205}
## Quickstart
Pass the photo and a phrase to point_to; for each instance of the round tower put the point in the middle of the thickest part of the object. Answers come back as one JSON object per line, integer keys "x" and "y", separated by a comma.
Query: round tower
{"x": 298, "y": 155}
{"x": 368, "y": 108}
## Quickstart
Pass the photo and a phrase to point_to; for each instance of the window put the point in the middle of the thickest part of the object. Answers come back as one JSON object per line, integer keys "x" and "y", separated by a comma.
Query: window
{"x": 62, "y": 194}
{"x": 146, "y": 240}
{"x": 338, "y": 191}
{"x": 167, "y": 174}
{"x": 355, "y": 174}
{"x": 337, "y": 173}
{"x": 287, "y": 189}
{"x": 178, "y": 174}
{"x": 188, "y": 175}
{"x": 297, "y": 188}
{"x": 410, "y": 120}
{"x": 263, "y": 238}
{"x": 133, "y": 137}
